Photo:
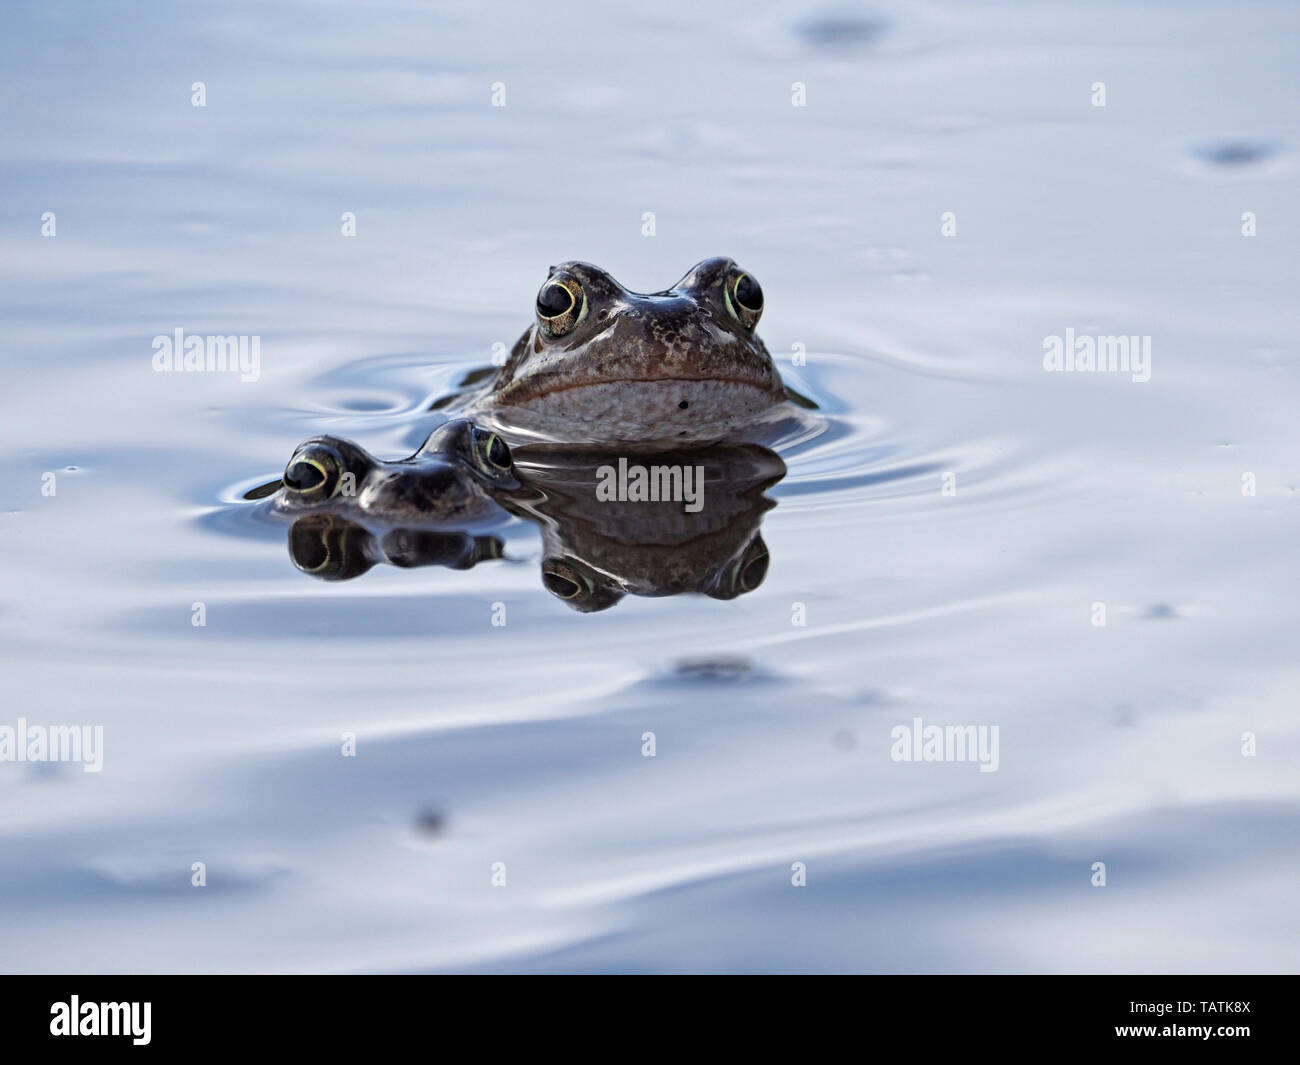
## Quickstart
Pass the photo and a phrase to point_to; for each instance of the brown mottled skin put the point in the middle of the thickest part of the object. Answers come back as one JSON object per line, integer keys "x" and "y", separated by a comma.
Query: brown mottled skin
{"x": 678, "y": 367}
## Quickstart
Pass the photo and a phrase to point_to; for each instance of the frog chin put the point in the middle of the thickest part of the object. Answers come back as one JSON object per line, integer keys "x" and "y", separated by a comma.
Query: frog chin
{"x": 637, "y": 412}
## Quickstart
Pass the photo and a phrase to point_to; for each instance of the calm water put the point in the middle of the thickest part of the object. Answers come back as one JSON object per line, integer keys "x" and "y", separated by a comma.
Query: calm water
{"x": 522, "y": 744}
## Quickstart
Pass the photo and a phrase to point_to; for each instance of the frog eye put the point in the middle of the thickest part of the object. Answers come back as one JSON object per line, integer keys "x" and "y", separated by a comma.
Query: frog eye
{"x": 744, "y": 299}
{"x": 313, "y": 470}
{"x": 561, "y": 304}
{"x": 744, "y": 574}
{"x": 492, "y": 452}
{"x": 562, "y": 581}
{"x": 581, "y": 587}
{"x": 753, "y": 567}
{"x": 331, "y": 548}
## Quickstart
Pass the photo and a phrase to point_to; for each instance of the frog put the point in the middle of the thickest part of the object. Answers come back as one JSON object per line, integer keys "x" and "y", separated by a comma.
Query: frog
{"x": 451, "y": 479}
{"x": 604, "y": 365}
{"x": 594, "y": 552}
{"x": 331, "y": 547}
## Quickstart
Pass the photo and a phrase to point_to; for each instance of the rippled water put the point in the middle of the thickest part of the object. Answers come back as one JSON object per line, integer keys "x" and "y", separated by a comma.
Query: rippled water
{"x": 522, "y": 744}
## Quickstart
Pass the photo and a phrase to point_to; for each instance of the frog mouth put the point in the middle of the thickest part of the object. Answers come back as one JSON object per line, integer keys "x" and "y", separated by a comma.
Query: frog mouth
{"x": 522, "y": 393}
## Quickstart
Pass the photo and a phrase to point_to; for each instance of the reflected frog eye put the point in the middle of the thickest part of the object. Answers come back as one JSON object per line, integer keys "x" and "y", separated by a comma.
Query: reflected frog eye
{"x": 753, "y": 567}
{"x": 491, "y": 451}
{"x": 742, "y": 575}
{"x": 330, "y": 548}
{"x": 581, "y": 587}
{"x": 744, "y": 299}
{"x": 561, "y": 305}
{"x": 313, "y": 470}
{"x": 562, "y": 581}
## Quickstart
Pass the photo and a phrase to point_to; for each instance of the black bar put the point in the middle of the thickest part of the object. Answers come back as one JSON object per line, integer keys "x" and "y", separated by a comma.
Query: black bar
{"x": 1245, "y": 1014}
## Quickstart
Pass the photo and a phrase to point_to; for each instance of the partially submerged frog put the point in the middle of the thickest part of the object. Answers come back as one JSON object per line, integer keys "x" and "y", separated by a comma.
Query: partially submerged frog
{"x": 594, "y": 551}
{"x": 602, "y": 369}
{"x": 450, "y": 480}
{"x": 603, "y": 365}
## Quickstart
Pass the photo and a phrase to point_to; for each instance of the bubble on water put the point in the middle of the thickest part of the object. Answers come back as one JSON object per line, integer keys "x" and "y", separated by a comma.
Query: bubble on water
{"x": 843, "y": 27}
{"x": 1236, "y": 155}
{"x": 430, "y": 822}
{"x": 371, "y": 404}
{"x": 1237, "y": 152}
{"x": 714, "y": 667}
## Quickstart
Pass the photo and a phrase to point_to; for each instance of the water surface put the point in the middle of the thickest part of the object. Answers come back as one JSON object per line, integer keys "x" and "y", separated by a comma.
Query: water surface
{"x": 522, "y": 744}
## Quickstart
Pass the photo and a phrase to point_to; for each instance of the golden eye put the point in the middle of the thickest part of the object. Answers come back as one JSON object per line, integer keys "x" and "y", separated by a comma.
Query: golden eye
{"x": 494, "y": 451}
{"x": 313, "y": 469}
{"x": 561, "y": 581}
{"x": 332, "y": 549}
{"x": 744, "y": 299}
{"x": 302, "y": 475}
{"x": 561, "y": 304}
{"x": 309, "y": 544}
{"x": 560, "y": 585}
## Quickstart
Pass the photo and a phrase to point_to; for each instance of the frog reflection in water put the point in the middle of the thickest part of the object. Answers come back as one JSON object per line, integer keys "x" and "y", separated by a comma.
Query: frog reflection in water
{"x": 594, "y": 550}
{"x": 602, "y": 373}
